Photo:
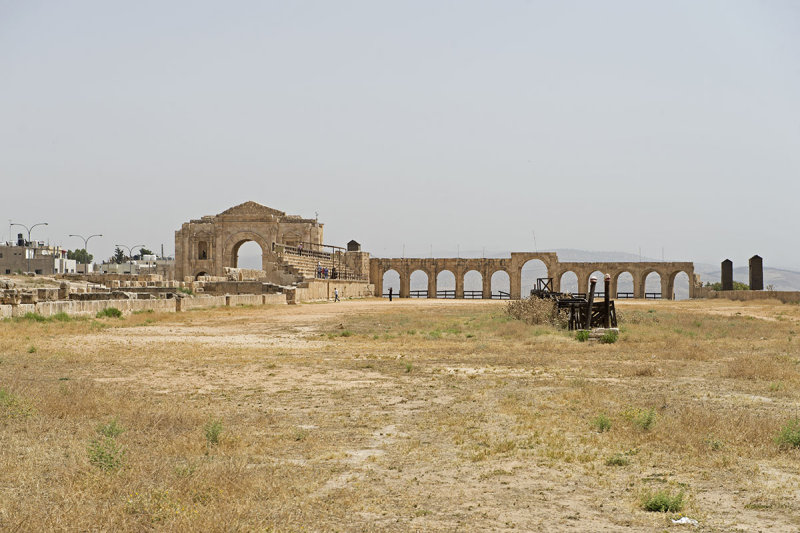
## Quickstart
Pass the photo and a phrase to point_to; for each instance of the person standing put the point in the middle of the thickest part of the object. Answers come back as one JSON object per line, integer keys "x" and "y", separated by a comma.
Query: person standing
{"x": 390, "y": 294}
{"x": 335, "y": 295}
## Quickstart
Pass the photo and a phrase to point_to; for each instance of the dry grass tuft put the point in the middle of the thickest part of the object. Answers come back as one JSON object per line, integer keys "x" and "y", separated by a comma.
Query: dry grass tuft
{"x": 536, "y": 311}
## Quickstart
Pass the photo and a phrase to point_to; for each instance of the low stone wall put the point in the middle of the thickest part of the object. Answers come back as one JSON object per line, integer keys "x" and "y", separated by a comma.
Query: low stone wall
{"x": 787, "y": 297}
{"x": 232, "y": 300}
{"x": 322, "y": 289}
{"x": 199, "y": 302}
{"x": 313, "y": 291}
{"x": 91, "y": 307}
{"x": 274, "y": 299}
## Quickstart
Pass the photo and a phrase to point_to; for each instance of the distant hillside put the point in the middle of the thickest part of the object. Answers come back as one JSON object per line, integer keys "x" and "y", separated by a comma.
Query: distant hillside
{"x": 781, "y": 280}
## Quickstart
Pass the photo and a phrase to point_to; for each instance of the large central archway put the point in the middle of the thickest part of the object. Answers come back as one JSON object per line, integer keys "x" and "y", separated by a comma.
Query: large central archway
{"x": 248, "y": 254}
{"x": 237, "y": 241}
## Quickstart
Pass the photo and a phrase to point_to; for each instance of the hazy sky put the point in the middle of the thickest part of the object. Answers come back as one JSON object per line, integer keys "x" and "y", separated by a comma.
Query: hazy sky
{"x": 606, "y": 125}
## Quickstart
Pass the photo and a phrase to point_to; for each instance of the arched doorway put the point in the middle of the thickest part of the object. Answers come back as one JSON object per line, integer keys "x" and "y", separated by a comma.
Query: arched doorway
{"x": 445, "y": 284}
{"x": 418, "y": 282}
{"x": 530, "y": 272}
{"x": 199, "y": 275}
{"x": 652, "y": 286}
{"x": 501, "y": 285}
{"x": 391, "y": 279}
{"x": 569, "y": 282}
{"x": 473, "y": 284}
{"x": 679, "y": 286}
{"x": 625, "y": 288}
{"x": 248, "y": 254}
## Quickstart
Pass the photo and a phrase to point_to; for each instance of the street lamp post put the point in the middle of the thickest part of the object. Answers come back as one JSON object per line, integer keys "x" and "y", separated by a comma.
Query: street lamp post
{"x": 29, "y": 237}
{"x": 130, "y": 254}
{"x": 86, "y": 248}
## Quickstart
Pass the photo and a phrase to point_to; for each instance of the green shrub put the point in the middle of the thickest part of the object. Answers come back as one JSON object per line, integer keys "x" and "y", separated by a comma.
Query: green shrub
{"x": 609, "y": 337}
{"x": 109, "y": 312}
{"x": 617, "y": 459}
{"x": 34, "y": 317}
{"x": 601, "y": 423}
{"x": 662, "y": 501}
{"x": 31, "y": 349}
{"x": 186, "y": 290}
{"x": 582, "y": 335}
{"x": 213, "y": 431}
{"x": 111, "y": 429}
{"x": 105, "y": 453}
{"x": 789, "y": 435}
{"x": 61, "y": 317}
{"x": 645, "y": 419}
{"x": 12, "y": 407}
{"x": 409, "y": 368}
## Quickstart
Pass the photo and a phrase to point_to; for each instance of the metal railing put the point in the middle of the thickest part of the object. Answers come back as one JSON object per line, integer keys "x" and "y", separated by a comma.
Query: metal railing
{"x": 418, "y": 293}
{"x": 473, "y": 294}
{"x": 314, "y": 251}
{"x": 501, "y": 295}
{"x": 446, "y": 293}
{"x": 624, "y": 295}
{"x": 652, "y": 296}
{"x": 334, "y": 260}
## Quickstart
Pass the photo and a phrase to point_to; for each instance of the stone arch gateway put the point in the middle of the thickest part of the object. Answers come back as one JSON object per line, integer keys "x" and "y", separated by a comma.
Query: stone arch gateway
{"x": 210, "y": 244}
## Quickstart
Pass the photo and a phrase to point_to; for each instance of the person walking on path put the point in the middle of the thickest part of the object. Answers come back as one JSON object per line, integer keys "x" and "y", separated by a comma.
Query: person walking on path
{"x": 335, "y": 295}
{"x": 390, "y": 293}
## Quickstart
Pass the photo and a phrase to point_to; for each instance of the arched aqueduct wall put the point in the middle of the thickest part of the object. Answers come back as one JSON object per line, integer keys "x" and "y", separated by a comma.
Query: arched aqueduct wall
{"x": 513, "y": 267}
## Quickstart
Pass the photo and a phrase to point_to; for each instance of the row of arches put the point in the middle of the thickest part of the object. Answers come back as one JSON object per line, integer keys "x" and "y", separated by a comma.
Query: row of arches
{"x": 444, "y": 282}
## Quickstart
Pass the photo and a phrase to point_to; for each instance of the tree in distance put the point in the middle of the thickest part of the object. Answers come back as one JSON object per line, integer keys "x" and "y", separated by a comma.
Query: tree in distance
{"x": 80, "y": 255}
{"x": 119, "y": 256}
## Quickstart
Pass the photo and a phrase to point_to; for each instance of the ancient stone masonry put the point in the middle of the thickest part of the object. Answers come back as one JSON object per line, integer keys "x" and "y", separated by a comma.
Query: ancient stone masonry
{"x": 727, "y": 275}
{"x": 513, "y": 267}
{"x": 205, "y": 247}
{"x": 756, "y": 273}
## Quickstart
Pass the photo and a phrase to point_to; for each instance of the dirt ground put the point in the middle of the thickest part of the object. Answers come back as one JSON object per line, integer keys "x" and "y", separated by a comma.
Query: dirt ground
{"x": 414, "y": 415}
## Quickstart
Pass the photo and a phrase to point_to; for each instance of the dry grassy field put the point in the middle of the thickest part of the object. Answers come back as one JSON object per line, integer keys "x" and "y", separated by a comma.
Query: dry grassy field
{"x": 403, "y": 416}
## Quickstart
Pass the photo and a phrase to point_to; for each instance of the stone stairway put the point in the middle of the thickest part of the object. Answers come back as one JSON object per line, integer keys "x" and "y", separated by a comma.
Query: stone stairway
{"x": 306, "y": 266}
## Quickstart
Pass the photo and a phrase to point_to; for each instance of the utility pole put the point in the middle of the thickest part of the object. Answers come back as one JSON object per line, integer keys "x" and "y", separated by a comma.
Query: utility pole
{"x": 130, "y": 254}
{"x": 86, "y": 248}
{"x": 33, "y": 250}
